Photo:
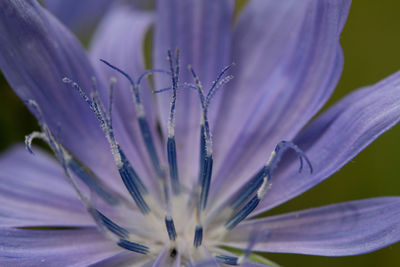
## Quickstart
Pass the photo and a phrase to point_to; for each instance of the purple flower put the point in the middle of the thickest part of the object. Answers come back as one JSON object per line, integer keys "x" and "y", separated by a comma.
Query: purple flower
{"x": 76, "y": 14}
{"x": 167, "y": 179}
{"x": 82, "y": 16}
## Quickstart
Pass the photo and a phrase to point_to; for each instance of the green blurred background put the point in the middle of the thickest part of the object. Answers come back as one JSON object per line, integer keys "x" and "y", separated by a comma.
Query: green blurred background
{"x": 371, "y": 44}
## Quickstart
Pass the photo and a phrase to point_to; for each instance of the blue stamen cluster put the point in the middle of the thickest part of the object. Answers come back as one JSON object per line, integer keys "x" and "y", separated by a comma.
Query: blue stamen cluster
{"x": 241, "y": 205}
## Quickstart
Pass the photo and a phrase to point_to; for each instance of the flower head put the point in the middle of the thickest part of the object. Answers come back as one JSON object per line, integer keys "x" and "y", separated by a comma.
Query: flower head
{"x": 171, "y": 171}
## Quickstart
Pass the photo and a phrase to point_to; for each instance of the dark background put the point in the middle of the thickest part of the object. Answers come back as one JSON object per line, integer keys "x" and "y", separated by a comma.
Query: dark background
{"x": 371, "y": 44}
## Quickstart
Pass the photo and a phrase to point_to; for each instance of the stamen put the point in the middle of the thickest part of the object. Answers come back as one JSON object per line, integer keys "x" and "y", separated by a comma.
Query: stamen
{"x": 113, "y": 227}
{"x": 133, "y": 183}
{"x": 63, "y": 157}
{"x": 148, "y": 140}
{"x": 246, "y": 192}
{"x": 45, "y": 129}
{"x": 185, "y": 84}
{"x": 206, "y": 180}
{"x": 83, "y": 173}
{"x": 92, "y": 181}
{"x": 85, "y": 97}
{"x": 202, "y": 153}
{"x": 267, "y": 171}
{"x": 149, "y": 72}
{"x": 198, "y": 236}
{"x": 279, "y": 151}
{"x": 130, "y": 178}
{"x": 257, "y": 180}
{"x": 132, "y": 246}
{"x": 243, "y": 213}
{"x": 171, "y": 145}
{"x": 122, "y": 234}
{"x": 218, "y": 82}
{"x": 229, "y": 260}
{"x": 221, "y": 83}
{"x": 29, "y": 138}
{"x": 206, "y": 145}
{"x": 173, "y": 165}
{"x": 272, "y": 163}
{"x": 169, "y": 223}
{"x": 111, "y": 98}
{"x": 104, "y": 222}
{"x": 206, "y": 159}
{"x": 141, "y": 116}
{"x": 36, "y": 110}
{"x": 162, "y": 90}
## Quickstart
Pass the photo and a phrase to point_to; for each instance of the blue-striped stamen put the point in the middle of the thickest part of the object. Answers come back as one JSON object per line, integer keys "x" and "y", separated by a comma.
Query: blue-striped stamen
{"x": 103, "y": 222}
{"x": 133, "y": 183}
{"x": 112, "y": 226}
{"x": 247, "y": 190}
{"x": 171, "y": 145}
{"x": 92, "y": 181}
{"x": 141, "y": 116}
{"x": 206, "y": 141}
{"x": 257, "y": 180}
{"x": 238, "y": 207}
{"x": 243, "y": 213}
{"x": 169, "y": 223}
{"x": 229, "y": 260}
{"x": 129, "y": 176}
{"x": 219, "y": 82}
{"x": 206, "y": 158}
{"x": 132, "y": 246}
{"x": 198, "y": 236}
{"x": 266, "y": 175}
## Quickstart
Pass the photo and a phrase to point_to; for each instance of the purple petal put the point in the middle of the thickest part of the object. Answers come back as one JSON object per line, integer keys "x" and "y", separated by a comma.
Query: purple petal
{"x": 80, "y": 247}
{"x": 336, "y": 137}
{"x": 202, "y": 32}
{"x": 124, "y": 258}
{"x": 343, "y": 229}
{"x": 207, "y": 263}
{"x": 34, "y": 192}
{"x": 119, "y": 40}
{"x": 77, "y": 14}
{"x": 37, "y": 52}
{"x": 288, "y": 62}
